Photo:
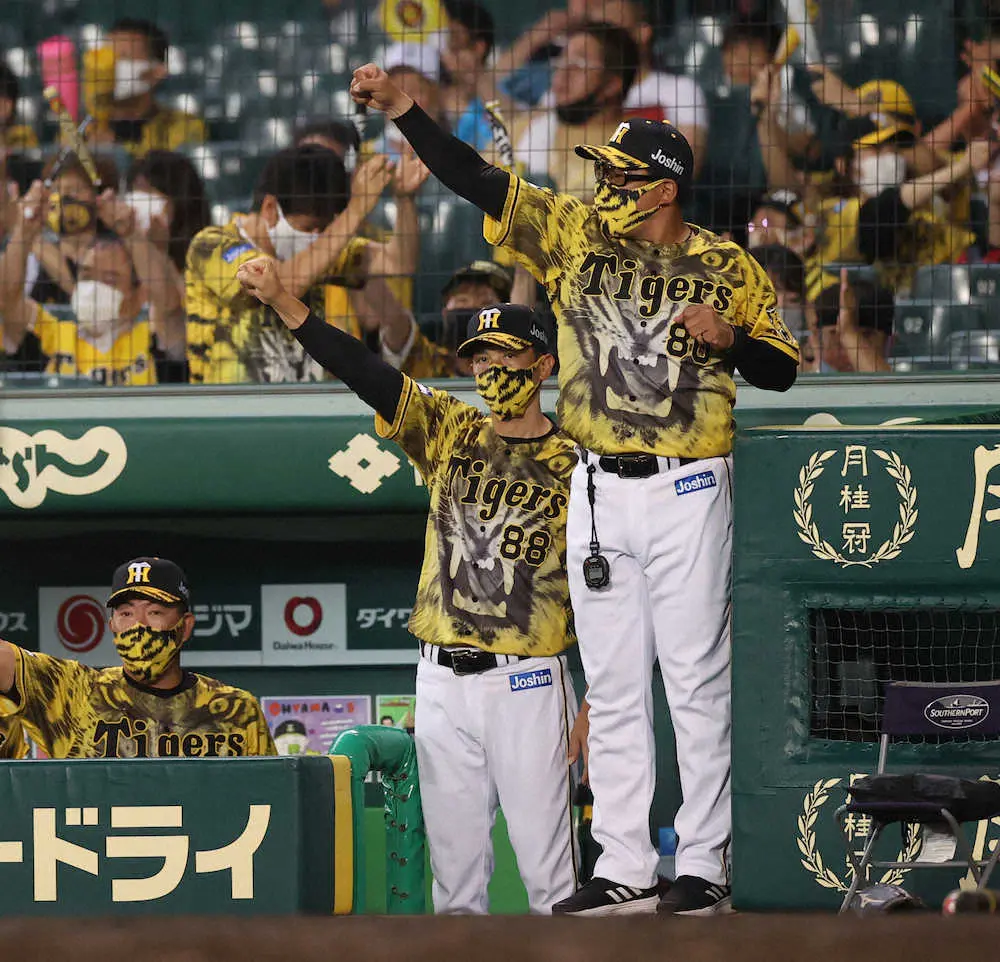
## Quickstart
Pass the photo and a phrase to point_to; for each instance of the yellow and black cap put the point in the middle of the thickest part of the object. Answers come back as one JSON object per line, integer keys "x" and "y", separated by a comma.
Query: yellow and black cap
{"x": 512, "y": 327}
{"x": 647, "y": 145}
{"x": 890, "y": 117}
{"x": 155, "y": 579}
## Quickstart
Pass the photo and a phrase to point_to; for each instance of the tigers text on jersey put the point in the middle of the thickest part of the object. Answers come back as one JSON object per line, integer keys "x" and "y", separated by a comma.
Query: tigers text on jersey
{"x": 494, "y": 570}
{"x": 73, "y": 711}
{"x": 631, "y": 379}
{"x": 128, "y": 359}
{"x": 232, "y": 337}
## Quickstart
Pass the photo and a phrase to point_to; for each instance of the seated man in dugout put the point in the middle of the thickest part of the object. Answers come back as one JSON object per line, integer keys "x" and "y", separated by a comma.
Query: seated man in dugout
{"x": 149, "y": 706}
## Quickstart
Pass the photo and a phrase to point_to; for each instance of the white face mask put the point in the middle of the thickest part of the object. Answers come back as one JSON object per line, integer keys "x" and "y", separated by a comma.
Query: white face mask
{"x": 287, "y": 240}
{"x": 97, "y": 306}
{"x": 876, "y": 172}
{"x": 146, "y": 206}
{"x": 129, "y": 78}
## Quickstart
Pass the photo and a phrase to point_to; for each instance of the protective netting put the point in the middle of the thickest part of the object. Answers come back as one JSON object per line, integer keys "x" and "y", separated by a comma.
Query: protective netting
{"x": 854, "y": 652}
{"x": 849, "y": 143}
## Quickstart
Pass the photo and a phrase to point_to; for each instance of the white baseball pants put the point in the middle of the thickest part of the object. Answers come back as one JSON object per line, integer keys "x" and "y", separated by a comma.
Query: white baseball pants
{"x": 668, "y": 539}
{"x": 499, "y": 738}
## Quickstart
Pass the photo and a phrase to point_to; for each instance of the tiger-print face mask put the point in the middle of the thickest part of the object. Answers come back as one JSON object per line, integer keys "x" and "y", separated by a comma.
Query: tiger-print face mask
{"x": 147, "y": 652}
{"x": 618, "y": 207}
{"x": 507, "y": 391}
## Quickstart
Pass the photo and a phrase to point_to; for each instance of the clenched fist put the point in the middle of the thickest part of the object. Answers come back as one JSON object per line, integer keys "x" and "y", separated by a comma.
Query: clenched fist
{"x": 260, "y": 278}
{"x": 374, "y": 88}
{"x": 706, "y": 327}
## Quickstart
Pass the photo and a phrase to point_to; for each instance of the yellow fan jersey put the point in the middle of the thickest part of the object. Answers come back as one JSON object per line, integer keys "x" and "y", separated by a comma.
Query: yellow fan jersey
{"x": 129, "y": 359}
{"x": 426, "y": 360}
{"x": 232, "y": 337}
{"x": 72, "y": 711}
{"x": 927, "y": 239}
{"x": 494, "y": 571}
{"x": 13, "y": 744}
{"x": 631, "y": 379}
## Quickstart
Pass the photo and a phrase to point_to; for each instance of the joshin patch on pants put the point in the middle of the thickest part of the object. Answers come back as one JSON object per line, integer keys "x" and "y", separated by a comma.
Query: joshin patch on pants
{"x": 527, "y": 680}
{"x": 695, "y": 482}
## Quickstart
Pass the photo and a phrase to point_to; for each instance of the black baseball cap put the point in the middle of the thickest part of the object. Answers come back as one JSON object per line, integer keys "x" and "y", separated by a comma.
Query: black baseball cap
{"x": 649, "y": 145}
{"x": 153, "y": 578}
{"x": 511, "y": 326}
{"x": 486, "y": 272}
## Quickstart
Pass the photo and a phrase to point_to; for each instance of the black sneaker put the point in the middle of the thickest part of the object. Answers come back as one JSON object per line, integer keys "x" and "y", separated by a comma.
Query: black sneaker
{"x": 601, "y": 897}
{"x": 690, "y": 895}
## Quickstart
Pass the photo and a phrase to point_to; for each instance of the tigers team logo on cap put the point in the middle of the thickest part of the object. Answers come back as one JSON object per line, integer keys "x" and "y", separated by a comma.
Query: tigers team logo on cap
{"x": 651, "y": 145}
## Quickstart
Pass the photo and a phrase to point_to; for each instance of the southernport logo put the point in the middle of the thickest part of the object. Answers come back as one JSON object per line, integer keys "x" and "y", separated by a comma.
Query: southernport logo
{"x": 80, "y": 623}
{"x": 957, "y": 711}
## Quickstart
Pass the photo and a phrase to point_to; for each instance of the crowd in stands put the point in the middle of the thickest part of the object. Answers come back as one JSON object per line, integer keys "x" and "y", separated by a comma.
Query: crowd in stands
{"x": 871, "y": 216}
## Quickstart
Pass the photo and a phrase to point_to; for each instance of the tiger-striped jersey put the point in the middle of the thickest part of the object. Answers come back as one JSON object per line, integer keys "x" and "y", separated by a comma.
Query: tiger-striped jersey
{"x": 74, "y": 711}
{"x": 632, "y": 379}
{"x": 494, "y": 569}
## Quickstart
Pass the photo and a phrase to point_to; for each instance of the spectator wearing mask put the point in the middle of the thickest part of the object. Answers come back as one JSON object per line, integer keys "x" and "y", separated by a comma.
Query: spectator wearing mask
{"x": 71, "y": 227}
{"x": 169, "y": 205}
{"x": 301, "y": 216}
{"x": 854, "y": 329}
{"x": 406, "y": 347}
{"x": 113, "y": 336}
{"x": 129, "y": 113}
{"x": 590, "y": 81}
{"x": 468, "y": 45}
{"x": 416, "y": 68}
{"x": 13, "y": 136}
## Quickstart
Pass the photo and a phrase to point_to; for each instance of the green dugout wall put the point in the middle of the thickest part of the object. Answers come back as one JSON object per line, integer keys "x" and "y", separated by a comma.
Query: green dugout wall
{"x": 862, "y": 555}
{"x": 271, "y": 497}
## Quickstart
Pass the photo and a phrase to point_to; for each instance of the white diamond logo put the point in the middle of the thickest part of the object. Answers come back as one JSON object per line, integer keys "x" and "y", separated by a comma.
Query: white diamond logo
{"x": 364, "y": 463}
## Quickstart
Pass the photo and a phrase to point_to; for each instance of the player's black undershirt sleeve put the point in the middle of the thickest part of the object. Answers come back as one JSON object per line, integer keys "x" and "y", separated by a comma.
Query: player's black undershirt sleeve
{"x": 378, "y": 384}
{"x": 762, "y": 364}
{"x": 455, "y": 163}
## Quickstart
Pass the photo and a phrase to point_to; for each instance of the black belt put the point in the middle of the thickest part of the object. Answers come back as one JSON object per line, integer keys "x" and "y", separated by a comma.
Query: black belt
{"x": 469, "y": 661}
{"x": 636, "y": 465}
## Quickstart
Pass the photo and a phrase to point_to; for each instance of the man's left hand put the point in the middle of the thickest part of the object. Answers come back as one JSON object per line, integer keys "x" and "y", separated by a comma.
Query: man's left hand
{"x": 706, "y": 327}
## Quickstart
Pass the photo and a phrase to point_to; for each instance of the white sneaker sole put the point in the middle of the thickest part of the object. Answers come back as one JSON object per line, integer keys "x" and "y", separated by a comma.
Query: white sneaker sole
{"x": 646, "y": 906}
{"x": 722, "y": 907}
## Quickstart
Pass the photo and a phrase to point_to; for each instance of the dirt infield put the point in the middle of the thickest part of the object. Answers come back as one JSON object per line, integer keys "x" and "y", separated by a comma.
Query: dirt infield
{"x": 760, "y": 938}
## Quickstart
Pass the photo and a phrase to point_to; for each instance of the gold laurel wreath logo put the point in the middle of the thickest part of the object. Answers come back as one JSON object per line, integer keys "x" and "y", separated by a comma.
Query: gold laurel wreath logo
{"x": 902, "y": 532}
{"x": 812, "y": 858}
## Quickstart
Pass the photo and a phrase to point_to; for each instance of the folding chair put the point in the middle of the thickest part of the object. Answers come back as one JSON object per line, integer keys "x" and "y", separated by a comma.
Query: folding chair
{"x": 942, "y": 801}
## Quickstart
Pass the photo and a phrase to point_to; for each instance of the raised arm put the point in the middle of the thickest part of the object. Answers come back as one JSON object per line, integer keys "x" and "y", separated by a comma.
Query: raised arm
{"x": 377, "y": 384}
{"x": 457, "y": 165}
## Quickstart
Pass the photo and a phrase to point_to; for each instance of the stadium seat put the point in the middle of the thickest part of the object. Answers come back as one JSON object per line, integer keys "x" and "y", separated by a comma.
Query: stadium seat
{"x": 227, "y": 169}
{"x": 923, "y": 332}
{"x": 973, "y": 350}
{"x": 984, "y": 290}
{"x": 911, "y": 42}
{"x": 943, "y": 283}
